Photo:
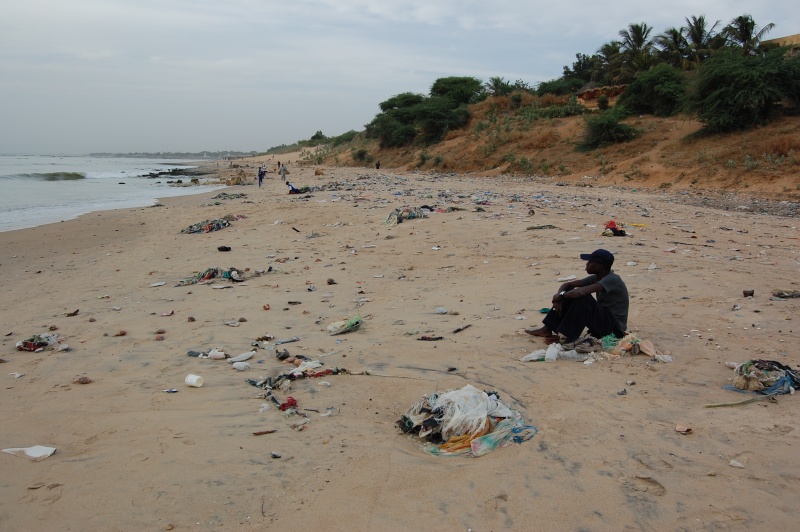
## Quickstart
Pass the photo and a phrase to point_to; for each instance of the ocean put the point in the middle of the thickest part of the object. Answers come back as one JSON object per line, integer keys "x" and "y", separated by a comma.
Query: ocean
{"x": 38, "y": 189}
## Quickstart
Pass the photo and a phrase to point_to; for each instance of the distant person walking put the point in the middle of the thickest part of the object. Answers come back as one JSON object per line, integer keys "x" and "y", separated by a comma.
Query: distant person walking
{"x": 260, "y": 176}
{"x": 378, "y": 165}
{"x": 283, "y": 173}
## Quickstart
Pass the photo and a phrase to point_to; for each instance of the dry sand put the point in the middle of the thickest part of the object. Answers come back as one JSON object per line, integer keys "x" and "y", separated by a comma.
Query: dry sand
{"x": 132, "y": 457}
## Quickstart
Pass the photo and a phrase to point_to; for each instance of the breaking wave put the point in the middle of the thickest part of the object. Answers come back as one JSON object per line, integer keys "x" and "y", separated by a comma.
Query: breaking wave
{"x": 59, "y": 176}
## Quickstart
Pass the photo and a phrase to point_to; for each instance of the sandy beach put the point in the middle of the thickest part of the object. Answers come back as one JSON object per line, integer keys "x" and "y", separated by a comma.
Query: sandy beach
{"x": 607, "y": 455}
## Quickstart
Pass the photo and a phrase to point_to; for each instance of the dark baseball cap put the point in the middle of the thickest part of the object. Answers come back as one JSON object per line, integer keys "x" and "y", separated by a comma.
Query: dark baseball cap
{"x": 601, "y": 256}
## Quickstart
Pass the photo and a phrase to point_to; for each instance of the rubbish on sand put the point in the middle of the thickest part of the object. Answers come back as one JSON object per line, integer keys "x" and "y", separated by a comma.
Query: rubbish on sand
{"x": 567, "y": 278}
{"x": 39, "y": 342}
{"x": 766, "y": 378}
{"x": 73, "y": 313}
{"x": 234, "y": 274}
{"x": 430, "y": 338}
{"x": 468, "y": 422}
{"x": 786, "y": 293}
{"x": 342, "y": 327}
{"x": 241, "y": 366}
{"x": 462, "y": 328}
{"x": 195, "y": 381}
{"x": 406, "y": 213}
{"x": 682, "y": 429}
{"x": 35, "y": 453}
{"x": 208, "y": 226}
{"x": 241, "y": 358}
{"x": 262, "y": 432}
{"x": 160, "y": 283}
{"x": 81, "y": 380}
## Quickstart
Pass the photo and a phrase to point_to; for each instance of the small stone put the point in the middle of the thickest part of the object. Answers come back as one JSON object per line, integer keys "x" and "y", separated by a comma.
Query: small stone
{"x": 160, "y": 331}
{"x": 92, "y": 320}
{"x": 242, "y": 320}
{"x": 190, "y": 318}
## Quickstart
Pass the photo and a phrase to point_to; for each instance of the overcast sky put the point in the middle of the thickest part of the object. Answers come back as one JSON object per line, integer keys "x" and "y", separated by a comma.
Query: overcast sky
{"x": 84, "y": 76}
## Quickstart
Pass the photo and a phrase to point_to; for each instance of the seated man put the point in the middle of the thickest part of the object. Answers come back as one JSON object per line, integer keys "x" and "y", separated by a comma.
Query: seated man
{"x": 574, "y": 308}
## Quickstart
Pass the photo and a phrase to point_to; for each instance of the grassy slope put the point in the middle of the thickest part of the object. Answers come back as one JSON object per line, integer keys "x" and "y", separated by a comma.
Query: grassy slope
{"x": 664, "y": 156}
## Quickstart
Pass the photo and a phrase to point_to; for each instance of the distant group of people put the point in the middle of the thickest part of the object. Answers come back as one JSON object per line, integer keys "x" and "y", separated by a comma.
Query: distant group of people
{"x": 279, "y": 168}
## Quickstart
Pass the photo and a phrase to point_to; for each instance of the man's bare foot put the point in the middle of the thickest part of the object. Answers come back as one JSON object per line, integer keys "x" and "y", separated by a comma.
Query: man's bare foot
{"x": 552, "y": 339}
{"x": 541, "y": 331}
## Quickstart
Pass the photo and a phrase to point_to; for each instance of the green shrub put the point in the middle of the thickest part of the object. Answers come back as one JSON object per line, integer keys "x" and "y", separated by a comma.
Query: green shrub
{"x": 659, "y": 91}
{"x": 735, "y": 91}
{"x": 602, "y": 102}
{"x": 606, "y": 128}
{"x": 360, "y": 155}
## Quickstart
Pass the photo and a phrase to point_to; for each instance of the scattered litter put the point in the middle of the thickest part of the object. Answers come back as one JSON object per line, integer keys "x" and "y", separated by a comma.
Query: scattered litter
{"x": 786, "y": 293}
{"x": 462, "y": 328}
{"x": 736, "y": 464}
{"x": 564, "y": 279}
{"x": 170, "y": 390}
{"x": 160, "y": 283}
{"x": 241, "y": 358}
{"x": 16, "y": 375}
{"x": 81, "y": 380}
{"x": 232, "y": 323}
{"x": 262, "y": 432}
{"x": 168, "y": 313}
{"x": 208, "y": 226}
{"x": 682, "y": 429}
{"x": 39, "y": 342}
{"x": 233, "y": 274}
{"x": 342, "y": 327}
{"x": 241, "y": 366}
{"x": 35, "y": 453}
{"x": 430, "y": 338}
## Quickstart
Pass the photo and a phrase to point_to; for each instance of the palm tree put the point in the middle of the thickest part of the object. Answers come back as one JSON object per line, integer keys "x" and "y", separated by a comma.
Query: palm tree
{"x": 702, "y": 40}
{"x": 607, "y": 68}
{"x": 498, "y": 86}
{"x": 636, "y": 38}
{"x": 674, "y": 48}
{"x": 743, "y": 32}
{"x": 636, "y": 50}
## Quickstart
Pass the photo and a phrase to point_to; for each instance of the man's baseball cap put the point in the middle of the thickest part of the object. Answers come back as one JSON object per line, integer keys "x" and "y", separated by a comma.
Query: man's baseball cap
{"x": 601, "y": 256}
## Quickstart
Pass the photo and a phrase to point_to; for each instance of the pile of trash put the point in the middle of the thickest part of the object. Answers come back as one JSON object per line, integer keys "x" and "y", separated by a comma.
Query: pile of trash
{"x": 406, "y": 213}
{"x": 229, "y": 196}
{"x": 234, "y": 274}
{"x": 466, "y": 422}
{"x": 614, "y": 228}
{"x": 765, "y": 376}
{"x": 207, "y": 226}
{"x": 39, "y": 342}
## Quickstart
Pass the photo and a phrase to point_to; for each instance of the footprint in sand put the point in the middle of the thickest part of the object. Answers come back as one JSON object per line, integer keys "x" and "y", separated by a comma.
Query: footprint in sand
{"x": 645, "y": 484}
{"x": 654, "y": 464}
